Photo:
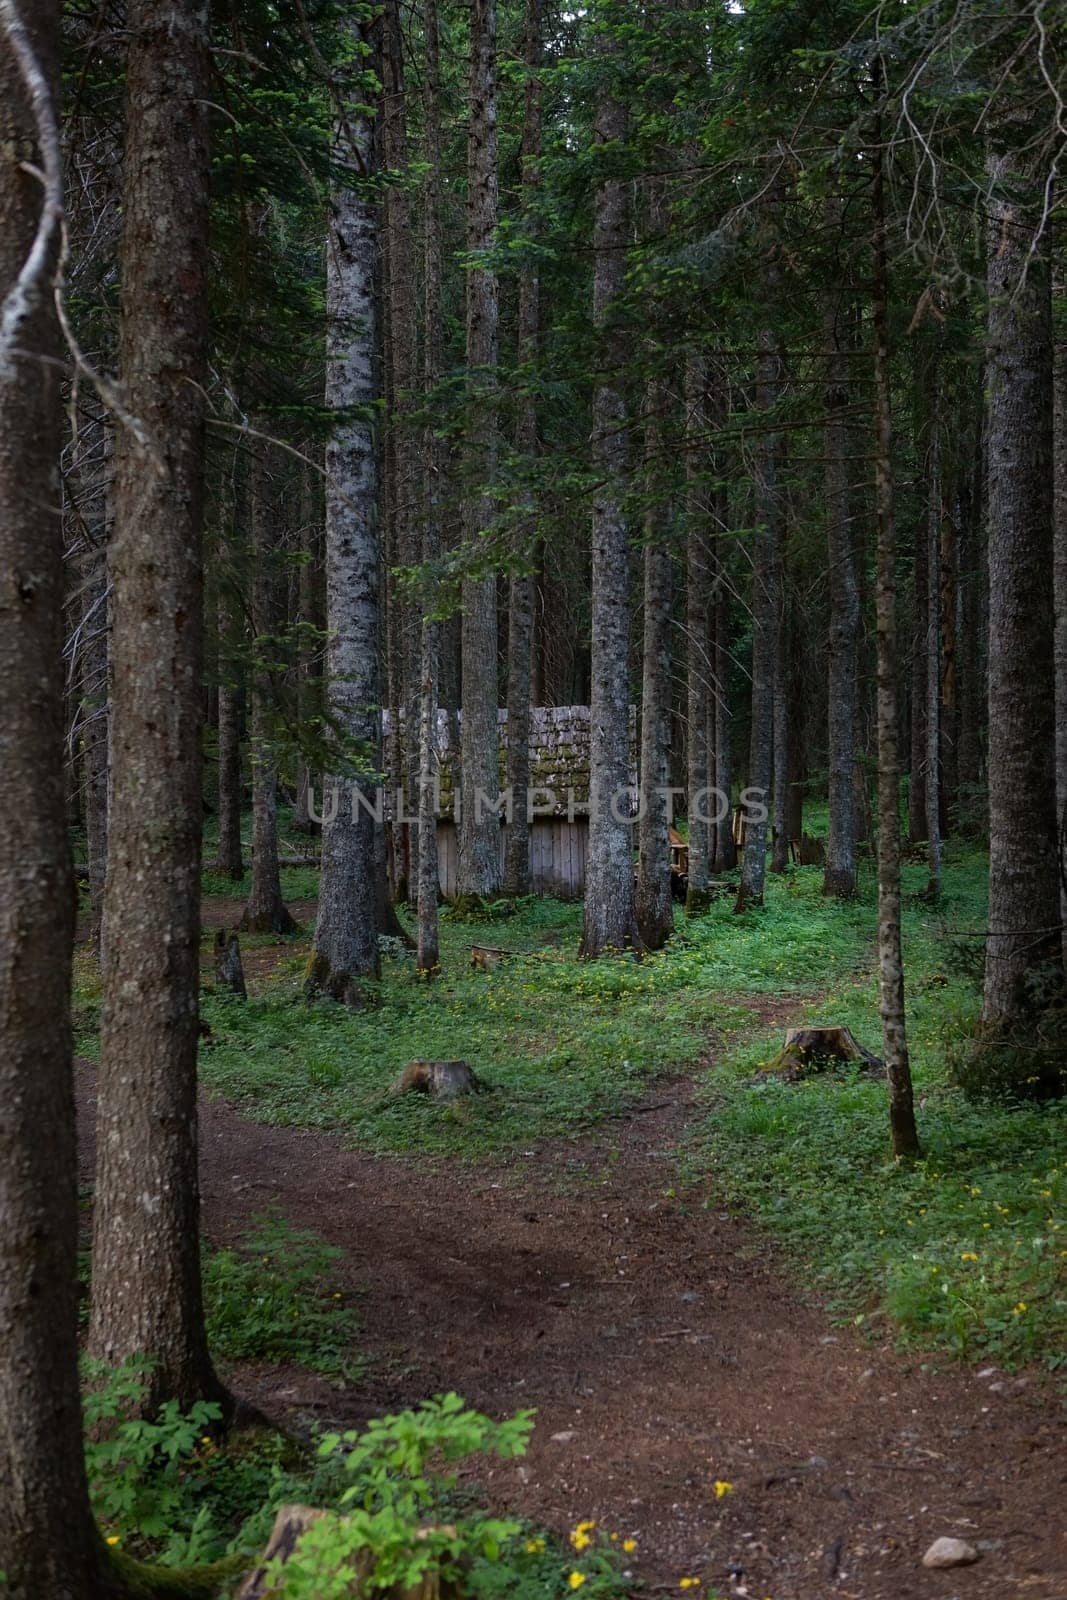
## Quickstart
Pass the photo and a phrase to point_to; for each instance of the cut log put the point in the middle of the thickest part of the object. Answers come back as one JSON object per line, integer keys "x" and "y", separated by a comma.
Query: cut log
{"x": 292, "y": 1522}
{"x": 810, "y": 1050}
{"x": 289, "y": 1524}
{"x": 487, "y": 957}
{"x": 444, "y": 1080}
{"x": 229, "y": 973}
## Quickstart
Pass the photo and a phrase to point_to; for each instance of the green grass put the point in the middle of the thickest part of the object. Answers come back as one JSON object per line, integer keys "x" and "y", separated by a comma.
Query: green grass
{"x": 964, "y": 1250}
{"x": 559, "y": 1044}
{"x": 275, "y": 1298}
{"x": 564, "y": 1044}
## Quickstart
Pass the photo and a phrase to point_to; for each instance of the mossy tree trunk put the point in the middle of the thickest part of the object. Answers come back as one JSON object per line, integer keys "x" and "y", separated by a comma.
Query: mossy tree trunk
{"x": 345, "y": 963}
{"x": 146, "y": 1226}
{"x": 609, "y": 921}
{"x": 1024, "y": 887}
{"x": 840, "y": 876}
{"x": 478, "y": 872}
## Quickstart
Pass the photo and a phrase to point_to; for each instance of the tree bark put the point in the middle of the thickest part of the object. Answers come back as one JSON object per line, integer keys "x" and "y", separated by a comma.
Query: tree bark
{"x": 725, "y": 849}
{"x": 764, "y": 631}
{"x": 345, "y": 962}
{"x": 654, "y": 907}
{"x": 904, "y": 1137}
{"x": 309, "y": 613}
{"x": 839, "y": 878}
{"x": 919, "y": 654}
{"x": 521, "y": 595}
{"x": 265, "y": 910}
{"x": 401, "y": 309}
{"x": 783, "y": 733}
{"x": 479, "y": 829}
{"x": 609, "y": 921}
{"x": 1024, "y": 891}
{"x": 427, "y": 948}
{"x": 700, "y": 671}
{"x": 1059, "y": 568}
{"x": 932, "y": 641}
{"x": 229, "y": 858}
{"x": 92, "y": 666}
{"x": 49, "y": 1549}
{"x": 146, "y": 1222}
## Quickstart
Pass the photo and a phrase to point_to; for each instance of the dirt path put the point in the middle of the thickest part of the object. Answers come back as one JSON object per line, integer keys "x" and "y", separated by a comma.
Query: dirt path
{"x": 663, "y": 1352}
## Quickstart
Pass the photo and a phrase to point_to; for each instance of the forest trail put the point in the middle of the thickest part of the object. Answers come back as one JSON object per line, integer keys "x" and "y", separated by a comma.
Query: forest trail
{"x": 663, "y": 1350}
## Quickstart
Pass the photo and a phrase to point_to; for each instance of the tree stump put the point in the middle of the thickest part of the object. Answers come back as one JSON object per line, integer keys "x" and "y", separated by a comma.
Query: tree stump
{"x": 292, "y": 1522}
{"x": 444, "y": 1080}
{"x": 229, "y": 973}
{"x": 810, "y": 1050}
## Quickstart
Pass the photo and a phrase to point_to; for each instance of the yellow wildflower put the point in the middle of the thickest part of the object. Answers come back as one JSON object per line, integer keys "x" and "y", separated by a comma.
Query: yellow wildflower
{"x": 629, "y": 1545}
{"x": 576, "y": 1580}
{"x": 721, "y": 1487}
{"x": 688, "y": 1583}
{"x": 112, "y": 1538}
{"x": 534, "y": 1546}
{"x": 1018, "y": 1310}
{"x": 968, "y": 1255}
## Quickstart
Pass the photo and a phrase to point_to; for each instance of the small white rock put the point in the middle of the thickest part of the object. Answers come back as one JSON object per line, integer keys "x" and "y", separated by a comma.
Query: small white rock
{"x": 950, "y": 1553}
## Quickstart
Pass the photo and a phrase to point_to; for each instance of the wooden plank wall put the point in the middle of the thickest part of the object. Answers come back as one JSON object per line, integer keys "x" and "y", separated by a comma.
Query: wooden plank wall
{"x": 558, "y": 853}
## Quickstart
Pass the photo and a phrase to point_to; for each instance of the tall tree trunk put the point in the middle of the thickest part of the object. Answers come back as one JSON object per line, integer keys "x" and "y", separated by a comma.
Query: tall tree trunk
{"x": 972, "y": 627}
{"x": 765, "y": 573}
{"x": 725, "y": 849}
{"x": 903, "y": 1134}
{"x": 1024, "y": 890}
{"x": 1059, "y": 568}
{"x": 92, "y": 666}
{"x": 839, "y": 878}
{"x": 146, "y": 1222}
{"x": 700, "y": 671}
{"x": 521, "y": 596}
{"x": 934, "y": 617}
{"x": 309, "y": 615}
{"x": 229, "y": 858}
{"x": 401, "y": 311}
{"x": 427, "y": 947}
{"x": 783, "y": 733}
{"x": 919, "y": 699}
{"x": 345, "y": 962}
{"x": 654, "y": 907}
{"x": 951, "y": 601}
{"x": 479, "y": 830}
{"x": 608, "y": 920}
{"x": 265, "y": 910}
{"x": 49, "y": 1549}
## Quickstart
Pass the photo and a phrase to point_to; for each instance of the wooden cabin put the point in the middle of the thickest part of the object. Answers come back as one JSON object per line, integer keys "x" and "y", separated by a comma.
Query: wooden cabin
{"x": 559, "y": 773}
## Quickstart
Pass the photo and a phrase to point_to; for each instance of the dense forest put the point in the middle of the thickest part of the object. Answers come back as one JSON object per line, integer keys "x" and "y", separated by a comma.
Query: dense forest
{"x": 533, "y": 558}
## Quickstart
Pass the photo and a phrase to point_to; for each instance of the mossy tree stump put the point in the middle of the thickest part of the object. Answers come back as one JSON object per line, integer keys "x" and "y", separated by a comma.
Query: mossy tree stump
{"x": 292, "y": 1522}
{"x": 443, "y": 1080}
{"x": 229, "y": 973}
{"x": 810, "y": 1050}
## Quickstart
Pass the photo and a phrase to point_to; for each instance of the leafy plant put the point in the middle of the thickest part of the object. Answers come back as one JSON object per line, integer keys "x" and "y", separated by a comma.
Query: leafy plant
{"x": 139, "y": 1470}
{"x": 398, "y": 1518}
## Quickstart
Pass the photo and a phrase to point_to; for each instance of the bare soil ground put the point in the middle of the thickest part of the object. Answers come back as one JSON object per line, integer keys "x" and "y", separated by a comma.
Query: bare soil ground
{"x": 663, "y": 1349}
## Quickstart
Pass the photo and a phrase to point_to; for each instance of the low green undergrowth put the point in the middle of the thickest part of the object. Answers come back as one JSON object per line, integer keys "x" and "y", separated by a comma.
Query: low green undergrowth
{"x": 560, "y": 1042}
{"x": 964, "y": 1250}
{"x": 276, "y": 1298}
{"x": 165, "y": 1492}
